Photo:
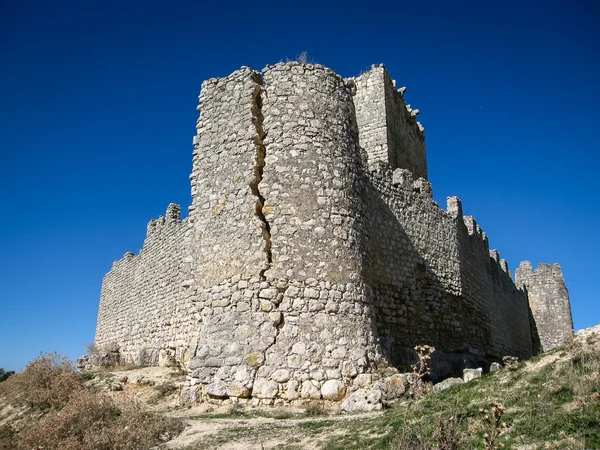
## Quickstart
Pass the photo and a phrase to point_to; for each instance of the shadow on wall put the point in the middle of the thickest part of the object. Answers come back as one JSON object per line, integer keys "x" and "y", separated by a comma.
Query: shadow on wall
{"x": 413, "y": 306}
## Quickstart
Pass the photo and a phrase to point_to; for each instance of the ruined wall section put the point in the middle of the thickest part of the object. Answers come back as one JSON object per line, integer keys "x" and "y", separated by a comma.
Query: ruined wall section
{"x": 388, "y": 129}
{"x": 549, "y": 302}
{"x": 146, "y": 304}
{"x": 433, "y": 278}
{"x": 371, "y": 113}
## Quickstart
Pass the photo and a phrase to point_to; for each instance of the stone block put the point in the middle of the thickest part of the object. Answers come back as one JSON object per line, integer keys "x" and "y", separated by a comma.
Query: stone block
{"x": 363, "y": 400}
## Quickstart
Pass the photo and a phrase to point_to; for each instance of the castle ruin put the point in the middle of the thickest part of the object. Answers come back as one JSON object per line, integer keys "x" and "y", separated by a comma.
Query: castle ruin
{"x": 313, "y": 251}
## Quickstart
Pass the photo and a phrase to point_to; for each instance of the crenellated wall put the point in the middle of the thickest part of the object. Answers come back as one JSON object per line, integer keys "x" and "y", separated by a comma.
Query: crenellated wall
{"x": 432, "y": 275}
{"x": 146, "y": 301}
{"x": 313, "y": 251}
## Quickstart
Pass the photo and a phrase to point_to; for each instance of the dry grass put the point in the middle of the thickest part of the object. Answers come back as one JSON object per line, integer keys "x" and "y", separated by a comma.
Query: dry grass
{"x": 65, "y": 414}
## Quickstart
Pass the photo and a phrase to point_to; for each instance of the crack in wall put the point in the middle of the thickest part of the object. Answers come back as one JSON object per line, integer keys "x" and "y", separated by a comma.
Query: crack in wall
{"x": 278, "y": 327}
{"x": 261, "y": 151}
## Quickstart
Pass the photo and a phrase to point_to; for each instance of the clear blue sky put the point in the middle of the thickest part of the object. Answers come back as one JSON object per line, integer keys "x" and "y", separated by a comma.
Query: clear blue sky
{"x": 98, "y": 111}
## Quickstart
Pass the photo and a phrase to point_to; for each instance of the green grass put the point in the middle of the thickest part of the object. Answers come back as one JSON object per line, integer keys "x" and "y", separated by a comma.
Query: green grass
{"x": 554, "y": 405}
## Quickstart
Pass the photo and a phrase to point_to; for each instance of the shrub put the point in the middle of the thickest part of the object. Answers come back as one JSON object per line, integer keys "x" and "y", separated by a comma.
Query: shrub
{"x": 47, "y": 382}
{"x": 94, "y": 420}
{"x": 4, "y": 374}
{"x": 91, "y": 348}
{"x": 68, "y": 415}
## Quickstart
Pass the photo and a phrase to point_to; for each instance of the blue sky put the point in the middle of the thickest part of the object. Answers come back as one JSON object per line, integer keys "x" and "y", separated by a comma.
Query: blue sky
{"x": 98, "y": 112}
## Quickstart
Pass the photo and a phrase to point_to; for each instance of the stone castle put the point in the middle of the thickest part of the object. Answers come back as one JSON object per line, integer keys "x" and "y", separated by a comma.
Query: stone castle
{"x": 314, "y": 253}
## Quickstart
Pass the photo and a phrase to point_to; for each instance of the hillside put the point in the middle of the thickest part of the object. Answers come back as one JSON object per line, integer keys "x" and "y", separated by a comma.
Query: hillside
{"x": 551, "y": 401}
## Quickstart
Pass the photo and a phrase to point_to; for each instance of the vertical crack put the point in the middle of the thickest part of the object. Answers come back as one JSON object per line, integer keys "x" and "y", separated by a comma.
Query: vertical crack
{"x": 261, "y": 151}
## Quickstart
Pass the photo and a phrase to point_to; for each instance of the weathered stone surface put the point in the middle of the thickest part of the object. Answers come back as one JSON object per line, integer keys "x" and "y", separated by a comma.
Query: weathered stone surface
{"x": 447, "y": 383}
{"x": 281, "y": 375}
{"x": 394, "y": 387}
{"x": 310, "y": 390}
{"x": 264, "y": 388}
{"x": 471, "y": 374}
{"x": 363, "y": 400}
{"x": 333, "y": 390}
{"x": 217, "y": 389}
{"x": 237, "y": 389}
{"x": 495, "y": 367}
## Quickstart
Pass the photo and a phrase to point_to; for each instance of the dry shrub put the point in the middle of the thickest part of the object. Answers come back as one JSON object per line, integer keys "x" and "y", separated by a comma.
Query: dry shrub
{"x": 67, "y": 415}
{"x": 492, "y": 420}
{"x": 510, "y": 362}
{"x": 48, "y": 382}
{"x": 420, "y": 370}
{"x": 94, "y": 420}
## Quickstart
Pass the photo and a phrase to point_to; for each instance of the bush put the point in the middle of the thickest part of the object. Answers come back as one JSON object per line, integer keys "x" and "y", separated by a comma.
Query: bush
{"x": 47, "y": 382}
{"x": 67, "y": 415}
{"x": 4, "y": 374}
{"x": 94, "y": 420}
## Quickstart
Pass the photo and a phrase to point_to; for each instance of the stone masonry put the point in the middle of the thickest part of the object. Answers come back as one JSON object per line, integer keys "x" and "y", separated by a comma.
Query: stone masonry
{"x": 549, "y": 302}
{"x": 313, "y": 253}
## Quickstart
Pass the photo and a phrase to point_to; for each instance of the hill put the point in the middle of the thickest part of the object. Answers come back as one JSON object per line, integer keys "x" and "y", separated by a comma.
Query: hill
{"x": 551, "y": 401}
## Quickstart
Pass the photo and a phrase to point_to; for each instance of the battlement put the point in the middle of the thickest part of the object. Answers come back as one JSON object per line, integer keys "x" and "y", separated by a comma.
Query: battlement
{"x": 313, "y": 251}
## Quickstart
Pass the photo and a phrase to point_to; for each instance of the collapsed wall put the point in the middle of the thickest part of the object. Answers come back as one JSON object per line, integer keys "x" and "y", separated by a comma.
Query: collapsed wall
{"x": 549, "y": 300}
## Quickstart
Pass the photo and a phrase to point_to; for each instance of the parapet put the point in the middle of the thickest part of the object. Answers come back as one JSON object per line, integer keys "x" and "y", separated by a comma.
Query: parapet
{"x": 171, "y": 217}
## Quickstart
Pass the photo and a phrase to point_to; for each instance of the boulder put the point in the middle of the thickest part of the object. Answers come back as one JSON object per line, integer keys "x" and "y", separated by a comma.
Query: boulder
{"x": 495, "y": 367}
{"x": 447, "y": 383}
{"x": 363, "y": 400}
{"x": 393, "y": 387}
{"x": 310, "y": 390}
{"x": 333, "y": 390}
{"x": 217, "y": 389}
{"x": 237, "y": 389}
{"x": 264, "y": 388}
{"x": 471, "y": 374}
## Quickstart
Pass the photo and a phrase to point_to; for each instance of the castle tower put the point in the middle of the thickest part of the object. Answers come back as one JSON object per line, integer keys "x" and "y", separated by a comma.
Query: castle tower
{"x": 388, "y": 129}
{"x": 549, "y": 302}
{"x": 277, "y": 223}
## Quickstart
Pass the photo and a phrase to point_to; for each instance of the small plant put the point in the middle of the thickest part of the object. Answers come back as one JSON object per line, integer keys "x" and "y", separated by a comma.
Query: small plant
{"x": 302, "y": 58}
{"x": 176, "y": 364}
{"x": 510, "y": 362}
{"x": 420, "y": 370}
{"x": 165, "y": 389}
{"x": 494, "y": 426}
{"x": 110, "y": 347}
{"x": 91, "y": 348}
{"x": 141, "y": 357}
{"x": 314, "y": 410}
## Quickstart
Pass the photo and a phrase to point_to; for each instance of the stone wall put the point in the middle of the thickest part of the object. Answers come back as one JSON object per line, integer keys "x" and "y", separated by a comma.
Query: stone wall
{"x": 432, "y": 276}
{"x": 146, "y": 301}
{"x": 549, "y": 300}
